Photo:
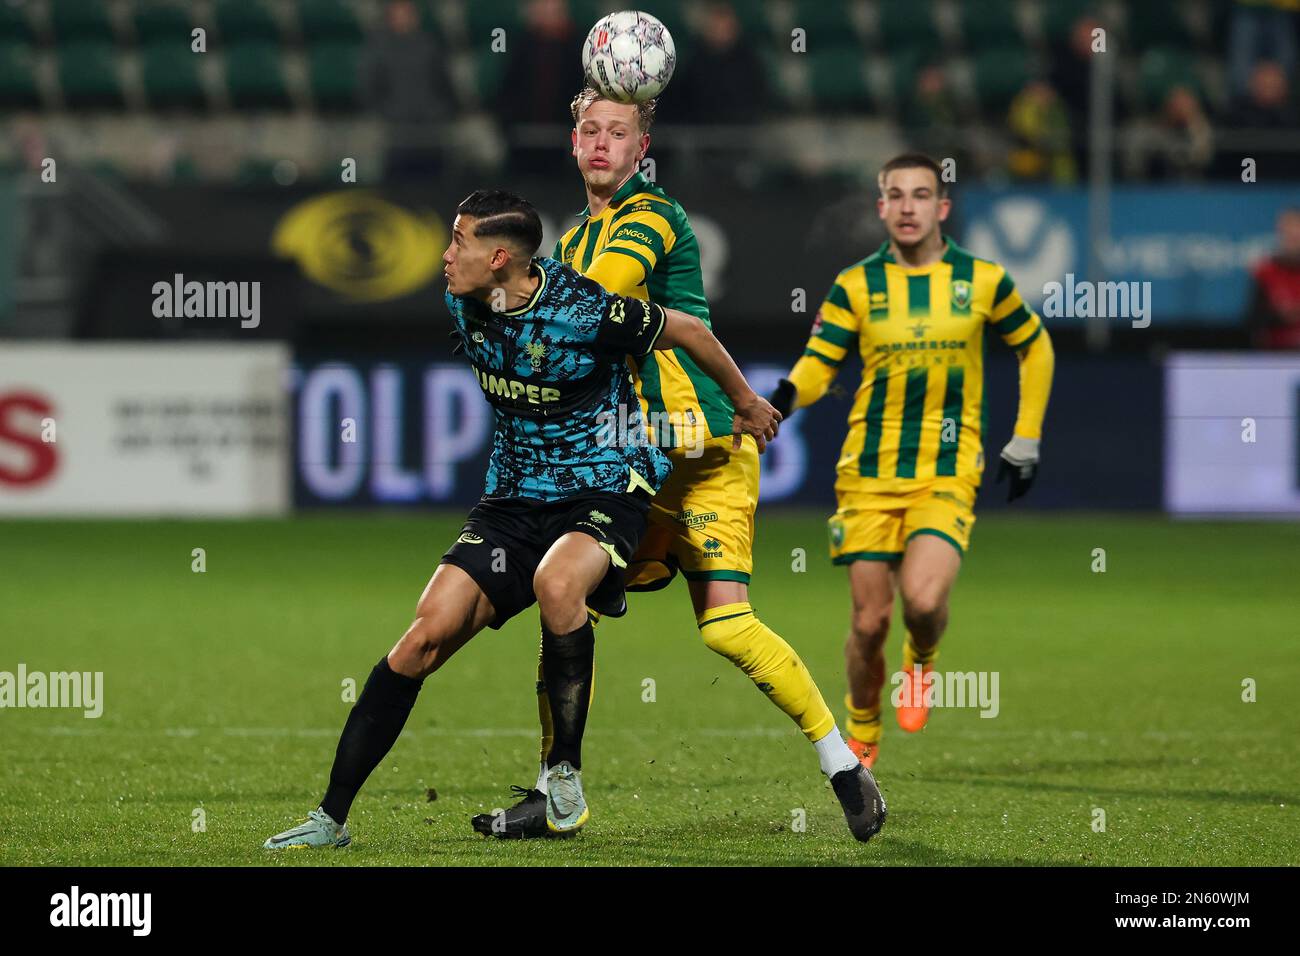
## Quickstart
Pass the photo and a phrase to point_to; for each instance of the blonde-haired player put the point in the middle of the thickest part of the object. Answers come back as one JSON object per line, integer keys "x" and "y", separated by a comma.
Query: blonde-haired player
{"x": 916, "y": 312}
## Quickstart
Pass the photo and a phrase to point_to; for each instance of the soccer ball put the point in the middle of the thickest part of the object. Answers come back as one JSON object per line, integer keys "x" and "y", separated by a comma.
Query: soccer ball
{"x": 629, "y": 56}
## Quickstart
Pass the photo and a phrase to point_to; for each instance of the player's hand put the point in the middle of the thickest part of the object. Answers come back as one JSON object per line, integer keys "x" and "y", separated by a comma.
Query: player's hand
{"x": 755, "y": 417}
{"x": 1020, "y": 461}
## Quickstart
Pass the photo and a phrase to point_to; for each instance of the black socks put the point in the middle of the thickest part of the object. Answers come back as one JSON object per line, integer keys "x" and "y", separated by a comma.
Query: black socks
{"x": 372, "y": 728}
{"x": 567, "y": 660}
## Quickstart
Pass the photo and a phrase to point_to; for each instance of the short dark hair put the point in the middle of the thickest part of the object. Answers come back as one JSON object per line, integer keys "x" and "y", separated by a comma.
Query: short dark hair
{"x": 501, "y": 213}
{"x": 913, "y": 161}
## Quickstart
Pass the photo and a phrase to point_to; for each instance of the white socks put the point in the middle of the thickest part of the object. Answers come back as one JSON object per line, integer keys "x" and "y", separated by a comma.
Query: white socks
{"x": 834, "y": 754}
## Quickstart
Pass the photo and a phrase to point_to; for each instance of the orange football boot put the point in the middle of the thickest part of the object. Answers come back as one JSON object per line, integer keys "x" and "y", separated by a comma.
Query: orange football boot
{"x": 915, "y": 709}
{"x": 866, "y": 753}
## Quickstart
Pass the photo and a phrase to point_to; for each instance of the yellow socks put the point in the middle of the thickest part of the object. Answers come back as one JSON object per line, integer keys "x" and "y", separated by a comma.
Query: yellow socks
{"x": 863, "y": 724}
{"x": 733, "y": 631}
{"x": 915, "y": 658}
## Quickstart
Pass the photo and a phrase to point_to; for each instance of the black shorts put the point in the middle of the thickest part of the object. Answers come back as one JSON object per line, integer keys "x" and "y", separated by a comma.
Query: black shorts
{"x": 504, "y": 539}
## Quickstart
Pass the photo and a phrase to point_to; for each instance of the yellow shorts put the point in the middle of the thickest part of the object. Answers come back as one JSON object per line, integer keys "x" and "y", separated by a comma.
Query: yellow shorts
{"x": 702, "y": 520}
{"x": 876, "y": 527}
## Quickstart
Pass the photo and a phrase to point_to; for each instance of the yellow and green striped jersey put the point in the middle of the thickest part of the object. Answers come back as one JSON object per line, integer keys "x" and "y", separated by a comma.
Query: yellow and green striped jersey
{"x": 642, "y": 245}
{"x": 920, "y": 411}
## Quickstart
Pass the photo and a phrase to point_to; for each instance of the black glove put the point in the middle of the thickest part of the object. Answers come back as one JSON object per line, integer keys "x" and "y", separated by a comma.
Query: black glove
{"x": 782, "y": 399}
{"x": 1019, "y": 460}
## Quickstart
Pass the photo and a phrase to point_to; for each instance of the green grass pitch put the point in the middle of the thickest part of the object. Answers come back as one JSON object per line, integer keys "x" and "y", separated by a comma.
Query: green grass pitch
{"x": 1119, "y": 691}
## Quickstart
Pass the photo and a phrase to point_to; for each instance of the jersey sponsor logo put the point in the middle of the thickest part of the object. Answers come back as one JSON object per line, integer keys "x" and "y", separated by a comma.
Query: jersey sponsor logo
{"x": 817, "y": 323}
{"x": 616, "y": 314}
{"x": 961, "y": 293}
{"x": 713, "y": 548}
{"x": 513, "y": 389}
{"x": 918, "y": 330}
{"x": 478, "y": 338}
{"x": 600, "y": 517}
{"x": 692, "y": 520}
{"x": 629, "y": 233}
{"x": 469, "y": 537}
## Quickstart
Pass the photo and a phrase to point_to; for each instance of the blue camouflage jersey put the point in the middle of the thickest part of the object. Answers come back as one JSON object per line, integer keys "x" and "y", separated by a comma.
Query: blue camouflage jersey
{"x": 555, "y": 373}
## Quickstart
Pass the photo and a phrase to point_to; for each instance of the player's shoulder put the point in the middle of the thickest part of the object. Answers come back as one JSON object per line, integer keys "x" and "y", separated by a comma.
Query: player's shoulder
{"x": 565, "y": 285}
{"x": 990, "y": 269}
{"x": 652, "y": 200}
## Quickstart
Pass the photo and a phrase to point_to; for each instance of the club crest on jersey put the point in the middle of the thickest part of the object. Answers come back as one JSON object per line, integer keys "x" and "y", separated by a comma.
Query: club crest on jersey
{"x": 836, "y": 527}
{"x": 536, "y": 352}
{"x": 469, "y": 537}
{"x": 961, "y": 293}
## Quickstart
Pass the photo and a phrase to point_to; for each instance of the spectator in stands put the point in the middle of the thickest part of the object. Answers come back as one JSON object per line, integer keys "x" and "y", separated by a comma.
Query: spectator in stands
{"x": 1040, "y": 125}
{"x": 404, "y": 82}
{"x": 543, "y": 73}
{"x": 722, "y": 70}
{"x": 1260, "y": 29}
{"x": 1071, "y": 77}
{"x": 932, "y": 115}
{"x": 1268, "y": 101}
{"x": 1181, "y": 145}
{"x": 1274, "y": 311}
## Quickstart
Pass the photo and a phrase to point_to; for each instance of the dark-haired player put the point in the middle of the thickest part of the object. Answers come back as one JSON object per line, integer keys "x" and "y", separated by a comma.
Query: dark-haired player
{"x": 916, "y": 312}
{"x": 563, "y": 507}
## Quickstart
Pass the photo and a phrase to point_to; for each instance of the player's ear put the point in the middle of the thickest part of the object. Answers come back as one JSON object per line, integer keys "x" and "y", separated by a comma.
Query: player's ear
{"x": 500, "y": 259}
{"x": 945, "y": 207}
{"x": 645, "y": 147}
{"x": 880, "y": 206}
{"x": 573, "y": 141}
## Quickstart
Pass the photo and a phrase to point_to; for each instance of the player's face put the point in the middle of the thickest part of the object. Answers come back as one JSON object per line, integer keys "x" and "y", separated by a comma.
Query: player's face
{"x": 910, "y": 206}
{"x": 468, "y": 261}
{"x": 608, "y": 144}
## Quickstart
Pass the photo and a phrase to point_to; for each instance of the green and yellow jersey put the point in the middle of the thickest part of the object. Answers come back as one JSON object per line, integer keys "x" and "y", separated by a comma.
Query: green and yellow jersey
{"x": 919, "y": 412}
{"x": 642, "y": 245}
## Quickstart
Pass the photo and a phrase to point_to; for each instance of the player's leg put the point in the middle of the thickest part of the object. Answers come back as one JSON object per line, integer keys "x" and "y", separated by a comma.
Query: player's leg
{"x": 871, "y": 587}
{"x": 452, "y": 609}
{"x": 937, "y": 530}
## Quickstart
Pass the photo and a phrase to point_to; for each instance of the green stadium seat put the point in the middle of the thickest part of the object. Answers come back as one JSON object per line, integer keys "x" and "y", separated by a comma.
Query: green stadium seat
{"x": 170, "y": 72}
{"x": 989, "y": 23}
{"x": 18, "y": 88}
{"x": 80, "y": 20}
{"x": 838, "y": 81}
{"x": 489, "y": 73}
{"x": 255, "y": 75}
{"x": 999, "y": 75}
{"x": 245, "y": 21}
{"x": 88, "y": 76}
{"x": 908, "y": 23}
{"x": 329, "y": 21}
{"x": 904, "y": 64}
{"x": 828, "y": 23}
{"x": 333, "y": 68}
{"x": 754, "y": 21}
{"x": 1160, "y": 70}
{"x": 15, "y": 24}
{"x": 482, "y": 18}
{"x": 1151, "y": 23}
{"x": 157, "y": 21}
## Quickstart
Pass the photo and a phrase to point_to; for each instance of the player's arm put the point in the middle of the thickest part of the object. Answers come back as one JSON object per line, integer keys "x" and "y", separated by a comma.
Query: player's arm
{"x": 834, "y": 333}
{"x": 636, "y": 327}
{"x": 1023, "y": 330}
{"x": 754, "y": 414}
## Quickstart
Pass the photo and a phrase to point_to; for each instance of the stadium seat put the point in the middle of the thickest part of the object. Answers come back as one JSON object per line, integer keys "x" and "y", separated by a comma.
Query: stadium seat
{"x": 170, "y": 72}
{"x": 329, "y": 21}
{"x": 904, "y": 65}
{"x": 246, "y": 20}
{"x": 157, "y": 21}
{"x": 88, "y": 76}
{"x": 80, "y": 20}
{"x": 990, "y": 23}
{"x": 334, "y": 78}
{"x": 482, "y": 18}
{"x": 908, "y": 23}
{"x": 754, "y": 21}
{"x": 15, "y": 24}
{"x": 255, "y": 76}
{"x": 999, "y": 75}
{"x": 489, "y": 72}
{"x": 18, "y": 88}
{"x": 1150, "y": 23}
{"x": 838, "y": 80}
{"x": 1160, "y": 70}
{"x": 829, "y": 24}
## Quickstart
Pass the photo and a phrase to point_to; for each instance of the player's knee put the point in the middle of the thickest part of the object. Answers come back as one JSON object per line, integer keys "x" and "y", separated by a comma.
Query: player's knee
{"x": 418, "y": 647}
{"x": 923, "y": 607}
{"x": 560, "y": 598}
{"x": 870, "y": 628}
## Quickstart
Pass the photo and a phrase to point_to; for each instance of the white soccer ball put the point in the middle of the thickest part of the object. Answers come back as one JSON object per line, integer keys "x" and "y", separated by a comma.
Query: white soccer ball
{"x": 629, "y": 56}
